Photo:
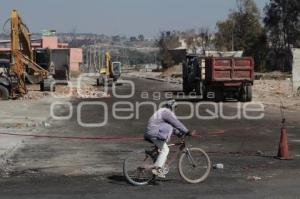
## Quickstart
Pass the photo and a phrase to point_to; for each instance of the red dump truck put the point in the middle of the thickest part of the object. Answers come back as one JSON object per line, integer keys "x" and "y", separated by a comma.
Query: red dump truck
{"x": 219, "y": 78}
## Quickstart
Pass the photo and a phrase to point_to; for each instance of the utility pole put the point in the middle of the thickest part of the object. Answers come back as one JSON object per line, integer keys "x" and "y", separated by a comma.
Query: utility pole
{"x": 232, "y": 37}
{"x": 99, "y": 58}
{"x": 90, "y": 57}
{"x": 232, "y": 42}
{"x": 94, "y": 57}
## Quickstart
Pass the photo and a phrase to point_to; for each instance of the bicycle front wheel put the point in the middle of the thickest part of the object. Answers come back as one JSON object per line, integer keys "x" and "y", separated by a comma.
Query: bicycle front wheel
{"x": 137, "y": 168}
{"x": 194, "y": 165}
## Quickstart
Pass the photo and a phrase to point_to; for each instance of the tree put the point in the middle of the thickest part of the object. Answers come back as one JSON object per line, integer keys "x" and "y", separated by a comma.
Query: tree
{"x": 242, "y": 30}
{"x": 191, "y": 39}
{"x": 141, "y": 37}
{"x": 282, "y": 21}
{"x": 133, "y": 39}
{"x": 205, "y": 38}
{"x": 224, "y": 37}
{"x": 194, "y": 40}
{"x": 167, "y": 40}
{"x": 116, "y": 38}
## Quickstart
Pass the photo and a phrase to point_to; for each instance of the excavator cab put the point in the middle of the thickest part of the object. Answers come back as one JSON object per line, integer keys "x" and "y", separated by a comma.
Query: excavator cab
{"x": 5, "y": 81}
{"x": 4, "y": 66}
{"x": 9, "y": 81}
{"x": 116, "y": 70}
{"x": 110, "y": 72}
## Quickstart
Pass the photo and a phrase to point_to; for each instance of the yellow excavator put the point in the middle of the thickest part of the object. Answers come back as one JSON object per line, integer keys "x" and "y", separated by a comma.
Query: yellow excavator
{"x": 109, "y": 72}
{"x": 21, "y": 66}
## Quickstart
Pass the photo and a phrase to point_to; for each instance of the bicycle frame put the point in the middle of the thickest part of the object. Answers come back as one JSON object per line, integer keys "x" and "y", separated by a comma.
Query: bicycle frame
{"x": 181, "y": 147}
{"x": 175, "y": 155}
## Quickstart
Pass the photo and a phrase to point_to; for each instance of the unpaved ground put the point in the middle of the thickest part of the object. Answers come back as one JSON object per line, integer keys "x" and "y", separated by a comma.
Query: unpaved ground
{"x": 54, "y": 167}
{"x": 275, "y": 92}
{"x": 31, "y": 114}
{"x": 33, "y": 109}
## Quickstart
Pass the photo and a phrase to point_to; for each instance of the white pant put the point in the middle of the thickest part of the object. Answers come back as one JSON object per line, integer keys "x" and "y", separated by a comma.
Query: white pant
{"x": 163, "y": 153}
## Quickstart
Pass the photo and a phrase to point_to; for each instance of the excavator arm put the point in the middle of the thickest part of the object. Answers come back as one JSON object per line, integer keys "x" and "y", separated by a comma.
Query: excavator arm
{"x": 22, "y": 55}
{"x": 20, "y": 36}
{"x": 106, "y": 69}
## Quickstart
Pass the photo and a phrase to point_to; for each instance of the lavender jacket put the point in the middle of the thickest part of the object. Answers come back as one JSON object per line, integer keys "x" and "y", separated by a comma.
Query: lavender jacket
{"x": 162, "y": 124}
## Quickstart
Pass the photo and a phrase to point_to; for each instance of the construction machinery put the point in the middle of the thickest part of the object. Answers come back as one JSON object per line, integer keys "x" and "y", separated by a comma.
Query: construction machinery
{"x": 56, "y": 61}
{"x": 218, "y": 78}
{"x": 22, "y": 66}
{"x": 109, "y": 72}
{"x": 6, "y": 82}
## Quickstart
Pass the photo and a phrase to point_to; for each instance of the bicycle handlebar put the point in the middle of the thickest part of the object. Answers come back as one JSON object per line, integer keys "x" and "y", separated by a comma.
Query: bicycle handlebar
{"x": 191, "y": 134}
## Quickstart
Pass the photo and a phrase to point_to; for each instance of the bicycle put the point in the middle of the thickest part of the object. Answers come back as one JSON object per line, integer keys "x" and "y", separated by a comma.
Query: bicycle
{"x": 194, "y": 164}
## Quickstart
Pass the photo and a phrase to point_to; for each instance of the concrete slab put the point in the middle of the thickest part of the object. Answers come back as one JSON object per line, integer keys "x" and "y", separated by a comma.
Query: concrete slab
{"x": 24, "y": 113}
{"x": 296, "y": 70}
{"x": 8, "y": 145}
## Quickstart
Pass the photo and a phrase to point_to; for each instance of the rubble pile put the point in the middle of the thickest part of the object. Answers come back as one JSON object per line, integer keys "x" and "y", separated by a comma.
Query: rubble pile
{"x": 63, "y": 91}
{"x": 88, "y": 92}
{"x": 34, "y": 95}
{"x": 280, "y": 88}
{"x": 274, "y": 92}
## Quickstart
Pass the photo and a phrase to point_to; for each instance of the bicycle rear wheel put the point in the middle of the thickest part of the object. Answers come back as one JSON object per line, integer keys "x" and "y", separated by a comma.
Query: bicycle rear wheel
{"x": 137, "y": 168}
{"x": 194, "y": 165}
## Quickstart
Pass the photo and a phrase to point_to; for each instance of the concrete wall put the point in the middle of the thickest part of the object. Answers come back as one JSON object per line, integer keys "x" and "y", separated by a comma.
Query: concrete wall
{"x": 49, "y": 42}
{"x": 76, "y": 59}
{"x": 296, "y": 70}
{"x": 74, "y": 69}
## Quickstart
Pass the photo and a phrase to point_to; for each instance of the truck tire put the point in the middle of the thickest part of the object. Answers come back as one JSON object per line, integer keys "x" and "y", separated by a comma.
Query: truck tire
{"x": 186, "y": 87}
{"x": 4, "y": 93}
{"x": 243, "y": 94}
{"x": 101, "y": 81}
{"x": 67, "y": 75}
{"x": 249, "y": 93}
{"x": 199, "y": 88}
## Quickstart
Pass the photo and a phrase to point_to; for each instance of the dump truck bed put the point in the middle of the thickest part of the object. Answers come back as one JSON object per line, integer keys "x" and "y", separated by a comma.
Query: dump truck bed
{"x": 229, "y": 69}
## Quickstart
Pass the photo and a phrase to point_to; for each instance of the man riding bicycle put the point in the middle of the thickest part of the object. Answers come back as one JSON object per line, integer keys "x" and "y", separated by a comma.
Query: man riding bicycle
{"x": 161, "y": 126}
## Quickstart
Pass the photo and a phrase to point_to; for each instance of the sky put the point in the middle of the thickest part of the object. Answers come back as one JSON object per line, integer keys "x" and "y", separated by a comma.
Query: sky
{"x": 119, "y": 17}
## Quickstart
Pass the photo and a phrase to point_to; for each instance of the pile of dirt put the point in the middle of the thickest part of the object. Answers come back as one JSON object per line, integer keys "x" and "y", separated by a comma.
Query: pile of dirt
{"x": 279, "y": 88}
{"x": 274, "y": 92}
{"x": 88, "y": 92}
{"x": 174, "y": 71}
